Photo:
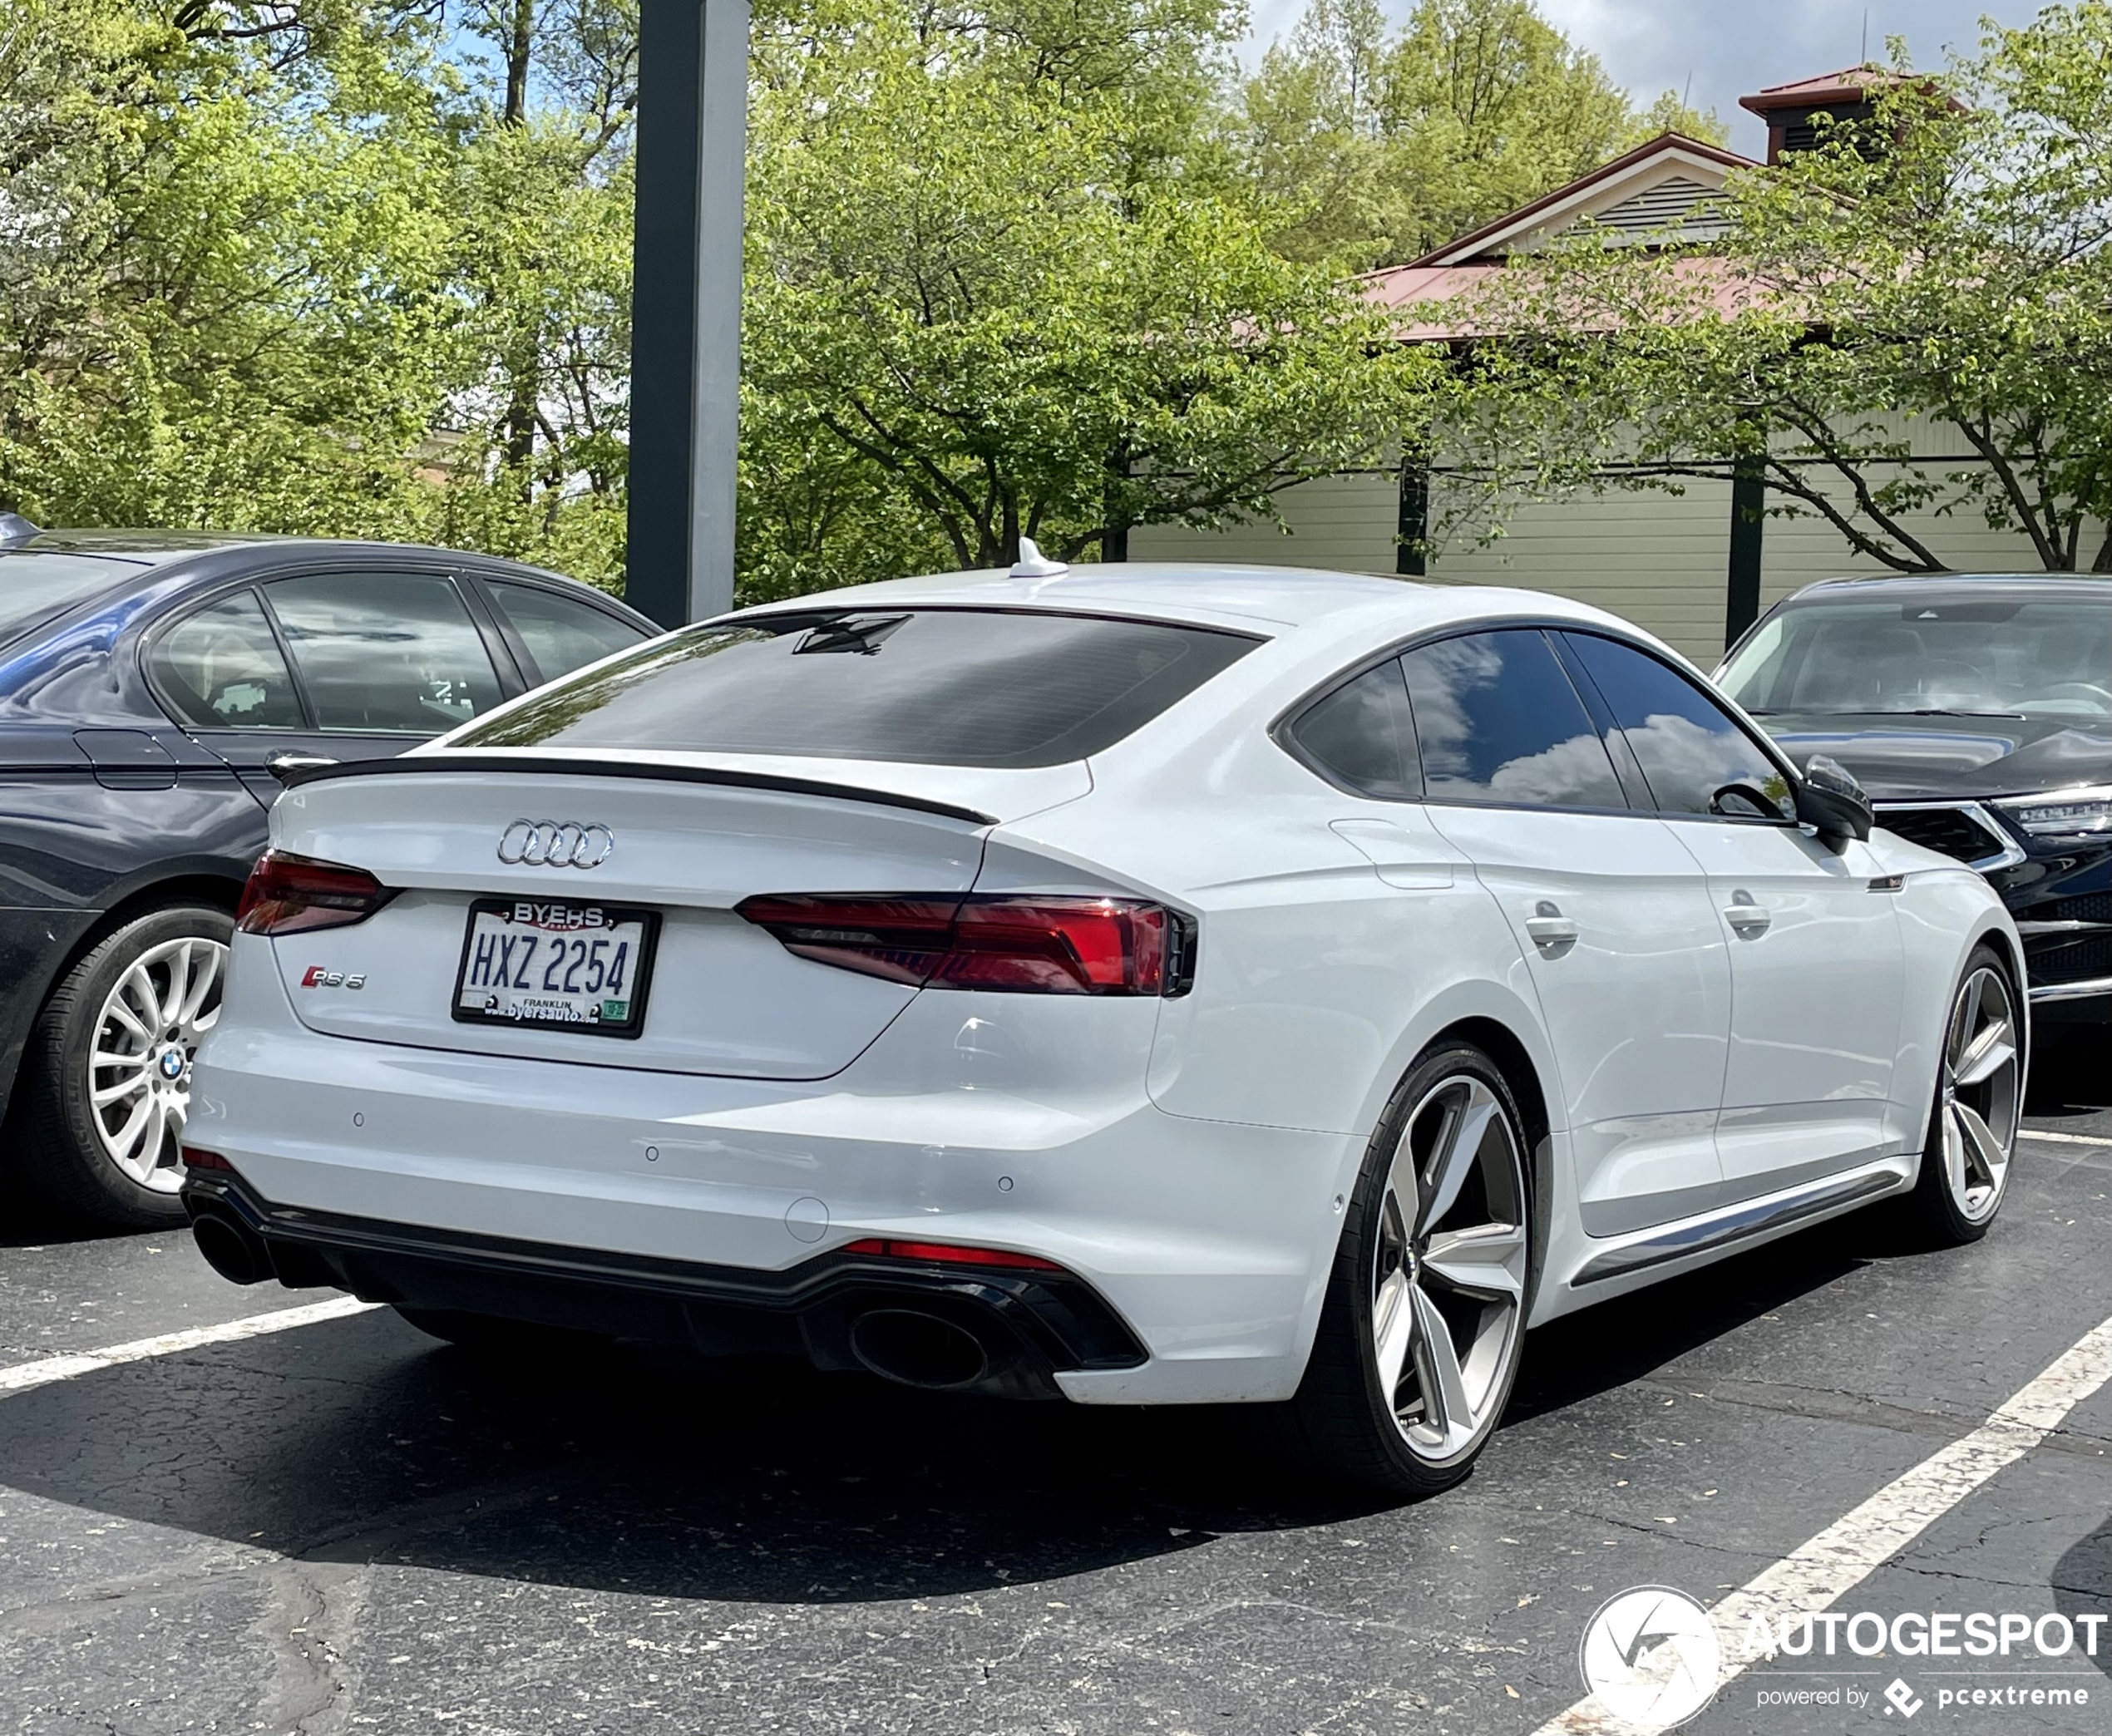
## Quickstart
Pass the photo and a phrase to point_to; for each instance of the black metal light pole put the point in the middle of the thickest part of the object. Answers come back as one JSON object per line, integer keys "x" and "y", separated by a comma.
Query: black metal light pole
{"x": 685, "y": 350}
{"x": 1747, "y": 526}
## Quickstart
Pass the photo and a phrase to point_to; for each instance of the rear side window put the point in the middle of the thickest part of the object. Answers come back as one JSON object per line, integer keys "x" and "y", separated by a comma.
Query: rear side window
{"x": 1688, "y": 746}
{"x": 1498, "y": 721}
{"x": 393, "y": 652}
{"x": 35, "y": 586}
{"x": 221, "y": 668}
{"x": 1362, "y": 737}
{"x": 932, "y": 687}
{"x": 561, "y": 633}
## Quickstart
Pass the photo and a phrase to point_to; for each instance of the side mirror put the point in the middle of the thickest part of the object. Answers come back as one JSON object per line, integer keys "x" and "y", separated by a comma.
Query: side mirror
{"x": 1742, "y": 801}
{"x": 1831, "y": 802}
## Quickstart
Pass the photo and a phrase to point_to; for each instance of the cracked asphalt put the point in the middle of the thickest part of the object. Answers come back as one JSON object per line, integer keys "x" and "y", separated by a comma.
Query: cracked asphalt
{"x": 347, "y": 1526}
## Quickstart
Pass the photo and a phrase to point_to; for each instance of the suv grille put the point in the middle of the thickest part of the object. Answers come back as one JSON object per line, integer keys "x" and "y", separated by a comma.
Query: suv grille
{"x": 2090, "y": 907}
{"x": 2082, "y": 963}
{"x": 1951, "y": 830}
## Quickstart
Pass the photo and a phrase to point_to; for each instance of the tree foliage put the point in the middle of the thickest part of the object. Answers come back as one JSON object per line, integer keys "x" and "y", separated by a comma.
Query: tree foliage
{"x": 1378, "y": 145}
{"x": 1047, "y": 267}
{"x": 1937, "y": 276}
{"x": 980, "y": 300}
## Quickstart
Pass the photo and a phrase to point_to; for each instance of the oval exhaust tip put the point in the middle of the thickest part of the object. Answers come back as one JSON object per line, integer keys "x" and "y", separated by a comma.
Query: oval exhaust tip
{"x": 918, "y": 1349}
{"x": 232, "y": 1251}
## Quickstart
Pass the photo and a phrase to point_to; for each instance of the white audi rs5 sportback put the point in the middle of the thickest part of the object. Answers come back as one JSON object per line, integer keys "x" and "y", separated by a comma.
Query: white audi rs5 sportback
{"x": 1138, "y": 984}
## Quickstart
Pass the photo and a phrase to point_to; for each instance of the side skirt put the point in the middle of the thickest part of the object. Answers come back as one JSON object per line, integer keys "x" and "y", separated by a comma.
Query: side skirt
{"x": 1721, "y": 1231}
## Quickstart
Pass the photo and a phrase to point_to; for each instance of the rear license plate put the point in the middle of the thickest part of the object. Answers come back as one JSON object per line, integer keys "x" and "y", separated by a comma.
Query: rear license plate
{"x": 556, "y": 963}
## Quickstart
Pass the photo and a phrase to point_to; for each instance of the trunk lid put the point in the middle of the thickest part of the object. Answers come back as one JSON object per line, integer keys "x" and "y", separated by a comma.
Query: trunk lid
{"x": 686, "y": 841}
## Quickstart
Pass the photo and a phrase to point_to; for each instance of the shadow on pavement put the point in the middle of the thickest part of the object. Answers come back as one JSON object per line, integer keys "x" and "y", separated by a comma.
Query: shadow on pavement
{"x": 27, "y": 1221}
{"x": 2082, "y": 1582}
{"x": 2071, "y": 1076}
{"x": 1615, "y": 1342}
{"x": 362, "y": 1440}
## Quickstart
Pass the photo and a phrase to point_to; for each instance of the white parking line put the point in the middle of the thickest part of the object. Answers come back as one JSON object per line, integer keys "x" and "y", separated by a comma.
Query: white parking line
{"x": 1849, "y": 1550}
{"x": 46, "y": 1369}
{"x": 2065, "y": 1138}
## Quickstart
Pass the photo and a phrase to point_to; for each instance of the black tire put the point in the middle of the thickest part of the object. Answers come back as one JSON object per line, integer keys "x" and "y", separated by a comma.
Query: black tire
{"x": 63, "y": 1155}
{"x": 1341, "y": 1424}
{"x": 1935, "y": 1214}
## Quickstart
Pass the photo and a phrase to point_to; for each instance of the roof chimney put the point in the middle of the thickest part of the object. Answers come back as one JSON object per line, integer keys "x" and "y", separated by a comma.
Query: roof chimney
{"x": 1791, "y": 112}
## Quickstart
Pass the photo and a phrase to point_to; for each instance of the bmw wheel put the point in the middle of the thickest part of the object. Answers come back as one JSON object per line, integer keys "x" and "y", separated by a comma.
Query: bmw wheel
{"x": 109, "y": 1066}
{"x": 1424, "y": 1321}
{"x": 1979, "y": 1106}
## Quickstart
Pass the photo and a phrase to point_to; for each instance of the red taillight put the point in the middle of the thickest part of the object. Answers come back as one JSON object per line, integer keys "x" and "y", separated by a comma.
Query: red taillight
{"x": 195, "y": 1157}
{"x": 296, "y": 894}
{"x": 887, "y": 1249}
{"x": 1019, "y": 944}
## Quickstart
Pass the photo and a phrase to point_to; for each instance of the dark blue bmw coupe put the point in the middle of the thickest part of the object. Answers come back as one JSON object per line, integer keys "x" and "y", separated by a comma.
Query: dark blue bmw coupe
{"x": 152, "y": 686}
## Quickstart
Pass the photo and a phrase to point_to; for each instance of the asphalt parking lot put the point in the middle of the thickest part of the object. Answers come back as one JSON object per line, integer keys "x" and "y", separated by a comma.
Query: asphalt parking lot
{"x": 347, "y": 1527}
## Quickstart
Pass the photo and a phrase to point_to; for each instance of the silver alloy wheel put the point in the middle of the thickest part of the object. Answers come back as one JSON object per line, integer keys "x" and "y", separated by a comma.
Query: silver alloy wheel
{"x": 1983, "y": 1089}
{"x": 1448, "y": 1268}
{"x": 139, "y": 1069}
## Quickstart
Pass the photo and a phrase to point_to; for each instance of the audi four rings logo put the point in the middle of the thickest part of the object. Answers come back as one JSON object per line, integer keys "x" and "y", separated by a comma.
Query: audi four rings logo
{"x": 555, "y": 844}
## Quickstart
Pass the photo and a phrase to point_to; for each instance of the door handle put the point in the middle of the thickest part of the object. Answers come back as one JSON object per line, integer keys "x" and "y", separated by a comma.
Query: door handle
{"x": 1746, "y": 918}
{"x": 1550, "y": 930}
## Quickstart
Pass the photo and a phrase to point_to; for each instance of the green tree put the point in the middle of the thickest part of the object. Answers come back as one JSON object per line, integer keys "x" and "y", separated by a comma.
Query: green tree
{"x": 223, "y": 295}
{"x": 1940, "y": 269}
{"x": 1380, "y": 146}
{"x": 287, "y": 267}
{"x": 952, "y": 280}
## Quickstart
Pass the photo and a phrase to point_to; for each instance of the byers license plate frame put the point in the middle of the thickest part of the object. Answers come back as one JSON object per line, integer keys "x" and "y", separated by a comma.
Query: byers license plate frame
{"x": 564, "y": 931}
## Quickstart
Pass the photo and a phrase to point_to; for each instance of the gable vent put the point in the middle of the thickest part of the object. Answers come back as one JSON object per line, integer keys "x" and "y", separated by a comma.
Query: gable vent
{"x": 1679, "y": 204}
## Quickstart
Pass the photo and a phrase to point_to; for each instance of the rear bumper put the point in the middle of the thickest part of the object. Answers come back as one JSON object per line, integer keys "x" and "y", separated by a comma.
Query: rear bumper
{"x": 1031, "y": 1325}
{"x": 990, "y": 1121}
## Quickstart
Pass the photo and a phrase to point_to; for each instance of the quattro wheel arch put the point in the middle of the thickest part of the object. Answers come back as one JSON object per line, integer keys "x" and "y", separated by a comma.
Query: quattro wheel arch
{"x": 1532, "y": 1089}
{"x": 1514, "y": 1061}
{"x": 1997, "y": 941}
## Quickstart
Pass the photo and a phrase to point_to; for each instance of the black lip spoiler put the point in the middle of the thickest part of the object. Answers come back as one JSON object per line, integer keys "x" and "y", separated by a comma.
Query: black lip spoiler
{"x": 537, "y": 766}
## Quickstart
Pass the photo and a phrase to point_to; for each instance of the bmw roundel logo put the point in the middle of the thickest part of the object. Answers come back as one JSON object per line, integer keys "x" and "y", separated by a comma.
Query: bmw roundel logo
{"x": 555, "y": 844}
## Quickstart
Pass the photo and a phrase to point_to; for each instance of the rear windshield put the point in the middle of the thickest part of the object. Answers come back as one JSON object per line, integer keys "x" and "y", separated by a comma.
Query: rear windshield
{"x": 34, "y": 587}
{"x": 932, "y": 687}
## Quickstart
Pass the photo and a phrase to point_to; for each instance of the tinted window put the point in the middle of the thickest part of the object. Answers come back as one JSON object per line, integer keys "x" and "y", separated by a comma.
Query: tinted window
{"x": 561, "y": 632}
{"x": 1688, "y": 746}
{"x": 1361, "y": 735}
{"x": 1499, "y": 722}
{"x": 36, "y": 586}
{"x": 941, "y": 687}
{"x": 220, "y": 669}
{"x": 385, "y": 651}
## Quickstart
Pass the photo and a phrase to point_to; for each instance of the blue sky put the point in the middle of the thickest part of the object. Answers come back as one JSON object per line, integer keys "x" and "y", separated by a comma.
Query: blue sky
{"x": 1728, "y": 49}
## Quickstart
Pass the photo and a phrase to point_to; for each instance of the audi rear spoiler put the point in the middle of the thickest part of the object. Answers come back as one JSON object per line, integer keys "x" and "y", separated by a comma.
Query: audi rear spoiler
{"x": 294, "y": 776}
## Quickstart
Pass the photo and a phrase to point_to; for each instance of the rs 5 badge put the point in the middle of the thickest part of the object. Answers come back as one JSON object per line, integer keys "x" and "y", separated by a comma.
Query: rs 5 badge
{"x": 316, "y": 977}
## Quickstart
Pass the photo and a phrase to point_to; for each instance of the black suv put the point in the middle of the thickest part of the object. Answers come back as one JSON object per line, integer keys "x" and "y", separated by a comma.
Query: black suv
{"x": 1977, "y": 710}
{"x": 151, "y": 686}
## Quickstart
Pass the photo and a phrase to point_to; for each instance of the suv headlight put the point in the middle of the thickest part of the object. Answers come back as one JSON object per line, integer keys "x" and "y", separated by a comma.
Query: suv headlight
{"x": 2063, "y": 813}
